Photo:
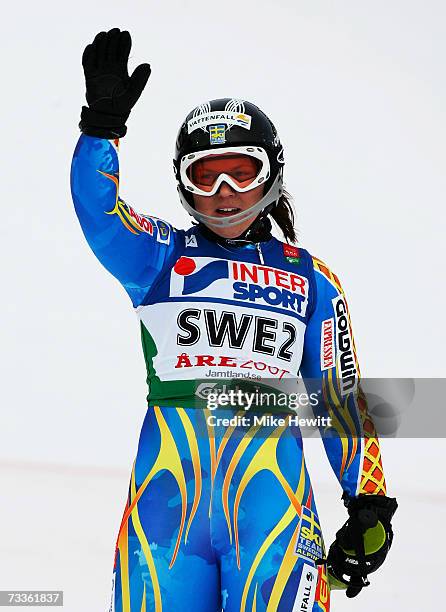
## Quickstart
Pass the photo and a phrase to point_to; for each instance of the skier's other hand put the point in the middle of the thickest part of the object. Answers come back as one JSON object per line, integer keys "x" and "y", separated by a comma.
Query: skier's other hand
{"x": 362, "y": 543}
{"x": 111, "y": 92}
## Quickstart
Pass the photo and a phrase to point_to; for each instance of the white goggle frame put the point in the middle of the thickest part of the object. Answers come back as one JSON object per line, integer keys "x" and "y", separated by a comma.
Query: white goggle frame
{"x": 251, "y": 151}
{"x": 273, "y": 195}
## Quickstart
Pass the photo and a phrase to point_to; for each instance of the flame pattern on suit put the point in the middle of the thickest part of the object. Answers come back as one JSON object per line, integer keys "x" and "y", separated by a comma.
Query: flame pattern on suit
{"x": 211, "y": 472}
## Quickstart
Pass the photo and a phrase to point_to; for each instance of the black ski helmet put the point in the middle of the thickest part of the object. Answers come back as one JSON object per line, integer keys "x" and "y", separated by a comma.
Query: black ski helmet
{"x": 225, "y": 123}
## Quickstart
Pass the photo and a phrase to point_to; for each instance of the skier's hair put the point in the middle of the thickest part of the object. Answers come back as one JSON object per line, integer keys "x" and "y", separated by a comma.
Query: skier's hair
{"x": 283, "y": 214}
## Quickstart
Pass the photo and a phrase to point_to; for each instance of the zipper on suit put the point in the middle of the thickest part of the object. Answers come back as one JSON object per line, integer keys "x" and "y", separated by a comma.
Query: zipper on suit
{"x": 259, "y": 251}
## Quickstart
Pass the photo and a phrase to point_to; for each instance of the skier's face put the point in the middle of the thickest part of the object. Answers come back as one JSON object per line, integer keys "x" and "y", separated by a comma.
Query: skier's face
{"x": 228, "y": 198}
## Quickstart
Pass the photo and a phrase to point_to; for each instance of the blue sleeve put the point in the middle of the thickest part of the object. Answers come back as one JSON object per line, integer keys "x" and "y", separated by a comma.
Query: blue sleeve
{"x": 330, "y": 366}
{"x": 134, "y": 248}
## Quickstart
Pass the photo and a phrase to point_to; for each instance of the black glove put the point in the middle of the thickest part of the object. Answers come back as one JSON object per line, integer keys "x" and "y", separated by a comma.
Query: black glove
{"x": 111, "y": 93}
{"x": 362, "y": 543}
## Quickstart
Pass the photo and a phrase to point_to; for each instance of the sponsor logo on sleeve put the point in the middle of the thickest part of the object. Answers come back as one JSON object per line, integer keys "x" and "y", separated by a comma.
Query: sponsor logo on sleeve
{"x": 142, "y": 222}
{"x": 307, "y": 589}
{"x": 163, "y": 233}
{"x": 327, "y": 344}
{"x": 344, "y": 342}
{"x": 132, "y": 220}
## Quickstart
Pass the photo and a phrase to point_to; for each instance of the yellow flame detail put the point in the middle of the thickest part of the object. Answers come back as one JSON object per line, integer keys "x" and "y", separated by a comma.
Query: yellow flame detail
{"x": 230, "y": 471}
{"x": 215, "y": 458}
{"x": 264, "y": 459}
{"x": 143, "y": 603}
{"x": 117, "y": 208}
{"x": 286, "y": 567}
{"x": 254, "y": 601}
{"x": 168, "y": 459}
{"x": 328, "y": 389}
{"x": 353, "y": 434}
{"x": 146, "y": 549}
{"x": 211, "y": 436}
{"x": 195, "y": 455}
{"x": 286, "y": 519}
{"x": 124, "y": 564}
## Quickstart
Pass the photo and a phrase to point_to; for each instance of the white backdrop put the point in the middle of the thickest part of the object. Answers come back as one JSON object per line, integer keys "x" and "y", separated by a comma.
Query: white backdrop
{"x": 357, "y": 92}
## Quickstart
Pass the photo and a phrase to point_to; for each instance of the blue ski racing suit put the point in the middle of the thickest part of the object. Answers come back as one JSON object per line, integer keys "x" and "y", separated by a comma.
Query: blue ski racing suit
{"x": 221, "y": 512}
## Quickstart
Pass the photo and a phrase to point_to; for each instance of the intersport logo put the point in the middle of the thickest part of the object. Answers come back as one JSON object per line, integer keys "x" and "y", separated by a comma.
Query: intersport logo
{"x": 239, "y": 281}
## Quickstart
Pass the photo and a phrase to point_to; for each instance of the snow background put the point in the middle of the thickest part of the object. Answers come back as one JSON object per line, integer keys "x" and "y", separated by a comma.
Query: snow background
{"x": 357, "y": 92}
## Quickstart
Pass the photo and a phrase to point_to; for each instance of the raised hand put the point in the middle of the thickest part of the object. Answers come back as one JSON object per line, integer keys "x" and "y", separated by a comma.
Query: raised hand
{"x": 111, "y": 92}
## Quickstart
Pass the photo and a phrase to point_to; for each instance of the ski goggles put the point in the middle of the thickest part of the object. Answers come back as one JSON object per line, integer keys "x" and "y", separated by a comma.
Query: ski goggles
{"x": 242, "y": 168}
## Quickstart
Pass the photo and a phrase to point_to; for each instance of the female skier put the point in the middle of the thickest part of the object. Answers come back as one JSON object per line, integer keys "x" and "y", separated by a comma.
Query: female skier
{"x": 221, "y": 514}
